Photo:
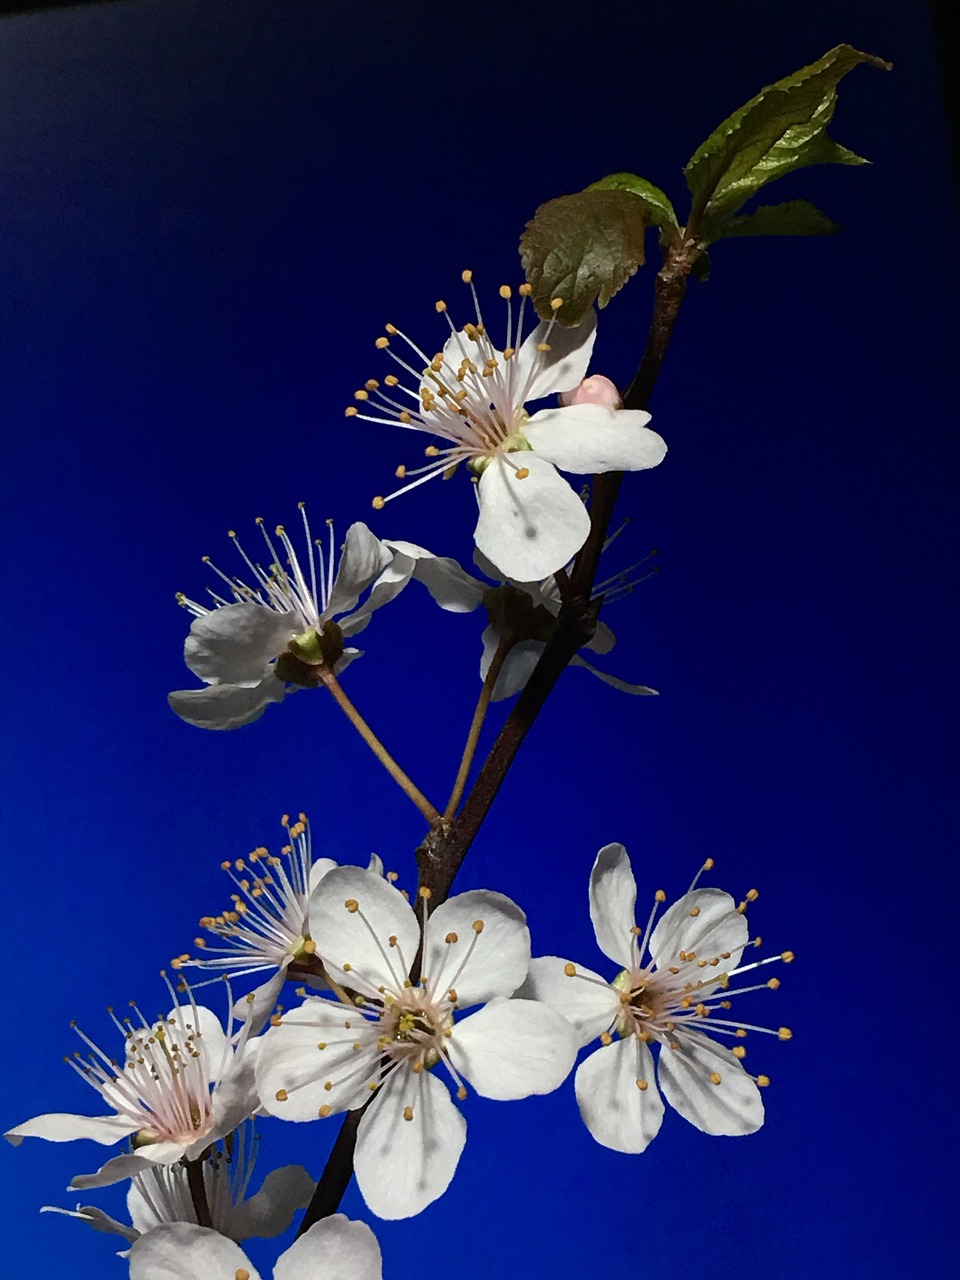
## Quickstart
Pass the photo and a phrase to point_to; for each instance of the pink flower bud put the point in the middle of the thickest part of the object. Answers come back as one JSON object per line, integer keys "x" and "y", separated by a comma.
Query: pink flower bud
{"x": 593, "y": 390}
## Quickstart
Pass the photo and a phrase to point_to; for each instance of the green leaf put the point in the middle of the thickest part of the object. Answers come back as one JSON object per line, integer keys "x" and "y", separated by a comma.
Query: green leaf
{"x": 660, "y": 211}
{"x": 583, "y": 247}
{"x": 793, "y": 218}
{"x": 782, "y": 129}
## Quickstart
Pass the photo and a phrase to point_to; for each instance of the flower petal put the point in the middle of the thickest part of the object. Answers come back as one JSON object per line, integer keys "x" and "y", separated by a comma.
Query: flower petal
{"x": 363, "y": 557}
{"x": 730, "y": 1108}
{"x": 97, "y": 1219}
{"x": 235, "y": 1098}
{"x": 588, "y": 438}
{"x": 292, "y": 1070}
{"x": 614, "y": 681}
{"x": 231, "y": 645}
{"x": 404, "y": 1165}
{"x": 386, "y": 588}
{"x": 617, "y": 1111}
{"x": 586, "y": 1000}
{"x": 450, "y": 585}
{"x": 60, "y": 1126}
{"x": 613, "y": 903}
{"x": 560, "y": 368}
{"x": 226, "y": 706}
{"x": 360, "y": 938}
{"x": 715, "y": 928}
{"x": 271, "y": 1210}
{"x": 529, "y": 528}
{"x": 333, "y": 1249}
{"x": 128, "y": 1166}
{"x": 479, "y": 964}
{"x": 257, "y": 1006}
{"x": 513, "y": 1048}
{"x": 182, "y": 1251}
{"x": 517, "y": 667}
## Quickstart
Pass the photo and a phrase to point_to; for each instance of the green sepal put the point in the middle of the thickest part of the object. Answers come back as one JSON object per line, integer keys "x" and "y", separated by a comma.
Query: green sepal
{"x": 583, "y": 248}
{"x": 292, "y": 670}
{"x": 792, "y": 218}
{"x": 782, "y": 129}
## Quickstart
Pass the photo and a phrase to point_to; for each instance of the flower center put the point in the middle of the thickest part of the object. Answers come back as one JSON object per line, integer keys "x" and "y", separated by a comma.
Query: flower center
{"x": 641, "y": 1002}
{"x": 413, "y": 1029}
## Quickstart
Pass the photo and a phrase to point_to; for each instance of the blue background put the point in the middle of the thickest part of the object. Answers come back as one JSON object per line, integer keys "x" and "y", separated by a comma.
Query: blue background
{"x": 209, "y": 211}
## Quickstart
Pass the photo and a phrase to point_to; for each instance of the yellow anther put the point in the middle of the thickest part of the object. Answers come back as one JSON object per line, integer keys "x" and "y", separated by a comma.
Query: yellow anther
{"x": 695, "y": 911}
{"x": 773, "y": 984}
{"x": 506, "y": 292}
{"x": 674, "y": 970}
{"x": 275, "y": 1020}
{"x": 322, "y": 1044}
{"x": 461, "y": 1093}
{"x": 702, "y": 964}
{"x": 784, "y": 1034}
{"x": 392, "y": 330}
{"x": 466, "y": 276}
{"x": 382, "y": 343}
{"x": 509, "y": 352}
{"x": 393, "y": 876}
{"x": 392, "y": 940}
{"x": 740, "y": 1033}
{"x": 726, "y": 1004}
{"x": 708, "y": 865}
{"x": 522, "y": 473}
{"x": 452, "y": 995}
{"x": 281, "y": 1095}
{"x": 347, "y": 967}
{"x": 702, "y": 1011}
{"x": 525, "y": 290}
{"x": 787, "y": 957}
{"x": 606, "y": 1038}
{"x": 241, "y": 1273}
{"x": 324, "y": 1111}
{"x": 714, "y": 1077}
{"x": 351, "y": 412}
{"x": 378, "y": 503}
{"x": 352, "y": 905}
{"x": 763, "y": 1081}
{"x": 425, "y": 892}
{"x": 431, "y": 451}
{"x": 674, "y": 1044}
{"x": 440, "y": 305}
{"x": 356, "y": 1046}
{"x": 686, "y": 1002}
{"x": 556, "y": 304}
{"x": 543, "y": 346}
{"x": 328, "y": 1086}
{"x": 753, "y": 895}
{"x": 739, "y": 1051}
{"x": 452, "y": 937}
{"x": 391, "y": 379}
{"x": 373, "y": 1086}
{"x": 642, "y": 1086}
{"x": 478, "y": 926}
{"x": 361, "y": 395}
{"x": 408, "y": 1113}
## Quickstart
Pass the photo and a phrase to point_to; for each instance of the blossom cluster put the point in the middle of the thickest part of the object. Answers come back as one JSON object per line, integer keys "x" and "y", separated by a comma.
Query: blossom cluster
{"x": 408, "y": 1004}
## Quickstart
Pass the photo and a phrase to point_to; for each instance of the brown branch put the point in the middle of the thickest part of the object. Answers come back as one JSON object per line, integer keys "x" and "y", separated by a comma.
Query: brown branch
{"x": 198, "y": 1192}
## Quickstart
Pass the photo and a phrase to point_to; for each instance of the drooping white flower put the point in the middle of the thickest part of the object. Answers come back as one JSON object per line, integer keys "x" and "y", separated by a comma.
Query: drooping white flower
{"x": 161, "y": 1195}
{"x": 234, "y": 643}
{"x": 182, "y": 1085}
{"x": 473, "y": 396}
{"x": 333, "y": 1249}
{"x": 380, "y": 1046}
{"x": 676, "y": 997}
{"x": 523, "y": 657}
{"x": 267, "y": 927}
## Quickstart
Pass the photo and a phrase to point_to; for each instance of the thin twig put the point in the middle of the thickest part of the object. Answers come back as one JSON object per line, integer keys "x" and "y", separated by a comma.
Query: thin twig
{"x": 476, "y": 724}
{"x": 198, "y": 1192}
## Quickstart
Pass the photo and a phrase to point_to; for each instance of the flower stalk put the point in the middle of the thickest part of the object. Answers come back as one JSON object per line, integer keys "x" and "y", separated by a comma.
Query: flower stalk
{"x": 476, "y": 725}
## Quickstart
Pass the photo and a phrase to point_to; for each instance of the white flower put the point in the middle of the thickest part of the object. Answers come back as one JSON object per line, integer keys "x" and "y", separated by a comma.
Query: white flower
{"x": 328, "y": 1057}
{"x": 182, "y": 1085}
{"x": 234, "y": 645}
{"x": 334, "y": 1249}
{"x": 523, "y": 657}
{"x": 473, "y": 396}
{"x": 268, "y": 925}
{"x": 161, "y": 1194}
{"x": 674, "y": 999}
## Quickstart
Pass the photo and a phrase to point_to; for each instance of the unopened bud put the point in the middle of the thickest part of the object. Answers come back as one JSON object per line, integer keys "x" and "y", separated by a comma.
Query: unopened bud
{"x": 593, "y": 390}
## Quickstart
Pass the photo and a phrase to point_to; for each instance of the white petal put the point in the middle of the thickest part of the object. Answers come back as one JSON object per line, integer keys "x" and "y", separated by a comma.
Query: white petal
{"x": 291, "y": 1063}
{"x": 587, "y": 439}
{"x": 257, "y": 1007}
{"x": 716, "y": 928}
{"x": 517, "y": 667}
{"x": 404, "y": 1165}
{"x": 451, "y": 586}
{"x": 613, "y": 681}
{"x": 320, "y": 868}
{"x": 586, "y": 1000}
{"x": 613, "y": 903}
{"x": 387, "y": 587}
{"x": 361, "y": 938}
{"x": 235, "y": 1098}
{"x": 480, "y": 965}
{"x": 513, "y": 1048}
{"x": 182, "y": 1251}
{"x": 618, "y": 1113}
{"x": 363, "y": 557}
{"x": 270, "y": 1212}
{"x": 334, "y": 1249}
{"x": 60, "y": 1126}
{"x": 210, "y": 1035}
{"x": 560, "y": 368}
{"x": 529, "y": 528}
{"x": 232, "y": 644}
{"x": 603, "y": 639}
{"x": 97, "y": 1219}
{"x": 730, "y": 1108}
{"x": 226, "y": 706}
{"x": 128, "y": 1166}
